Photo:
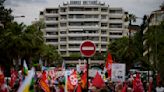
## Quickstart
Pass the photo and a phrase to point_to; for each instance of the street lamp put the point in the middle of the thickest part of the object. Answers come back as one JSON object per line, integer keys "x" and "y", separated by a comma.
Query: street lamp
{"x": 22, "y": 16}
{"x": 3, "y": 22}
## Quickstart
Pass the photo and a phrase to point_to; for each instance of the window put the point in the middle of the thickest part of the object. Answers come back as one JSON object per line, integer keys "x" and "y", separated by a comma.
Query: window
{"x": 104, "y": 9}
{"x": 51, "y": 33}
{"x": 115, "y": 18}
{"x": 51, "y": 40}
{"x": 103, "y": 24}
{"x": 63, "y": 24}
{"x": 103, "y": 16}
{"x": 63, "y": 17}
{"x": 103, "y": 46}
{"x": 74, "y": 45}
{"x": 103, "y": 39}
{"x": 63, "y": 10}
{"x": 115, "y": 25}
{"x": 90, "y": 2}
{"x": 62, "y": 46}
{"x": 51, "y": 10}
{"x": 50, "y": 18}
{"x": 115, "y": 11}
{"x": 103, "y": 31}
{"x": 52, "y": 25}
{"x": 75, "y": 2}
{"x": 63, "y": 52}
{"x": 63, "y": 32}
{"x": 95, "y": 9}
{"x": 63, "y": 39}
{"x": 113, "y": 33}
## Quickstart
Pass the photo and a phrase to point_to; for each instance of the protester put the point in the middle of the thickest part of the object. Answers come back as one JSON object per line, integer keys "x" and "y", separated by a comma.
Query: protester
{"x": 160, "y": 88}
{"x": 110, "y": 86}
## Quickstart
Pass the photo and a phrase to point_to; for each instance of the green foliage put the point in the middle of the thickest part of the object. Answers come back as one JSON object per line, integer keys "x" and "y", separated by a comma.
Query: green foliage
{"x": 98, "y": 56}
{"x": 50, "y": 54}
{"x": 5, "y": 14}
{"x": 26, "y": 42}
{"x": 155, "y": 40}
{"x": 125, "y": 50}
{"x": 75, "y": 56}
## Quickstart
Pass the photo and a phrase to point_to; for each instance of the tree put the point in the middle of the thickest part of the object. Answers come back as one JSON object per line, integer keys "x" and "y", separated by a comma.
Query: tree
{"x": 50, "y": 55}
{"x": 5, "y": 14}
{"x": 155, "y": 41}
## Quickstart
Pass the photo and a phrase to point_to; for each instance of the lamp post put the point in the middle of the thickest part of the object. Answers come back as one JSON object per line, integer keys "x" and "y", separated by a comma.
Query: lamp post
{"x": 129, "y": 18}
{"x": 2, "y": 22}
{"x": 22, "y": 16}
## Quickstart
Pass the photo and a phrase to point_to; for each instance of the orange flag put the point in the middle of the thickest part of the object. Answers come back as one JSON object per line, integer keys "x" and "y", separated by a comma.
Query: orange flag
{"x": 108, "y": 64}
{"x": 84, "y": 79}
{"x": 72, "y": 81}
{"x": 43, "y": 83}
{"x": 69, "y": 85}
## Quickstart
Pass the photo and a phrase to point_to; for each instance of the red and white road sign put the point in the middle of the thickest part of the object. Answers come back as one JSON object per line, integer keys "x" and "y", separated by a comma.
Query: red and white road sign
{"x": 87, "y": 48}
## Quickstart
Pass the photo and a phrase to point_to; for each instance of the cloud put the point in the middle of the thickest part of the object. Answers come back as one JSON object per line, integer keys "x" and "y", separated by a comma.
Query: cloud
{"x": 31, "y": 8}
{"x": 16, "y": 3}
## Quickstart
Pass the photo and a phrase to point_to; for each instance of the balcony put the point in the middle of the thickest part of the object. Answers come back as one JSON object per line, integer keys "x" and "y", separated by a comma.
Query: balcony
{"x": 116, "y": 36}
{"x": 52, "y": 43}
{"x": 79, "y": 42}
{"x": 83, "y": 19}
{"x": 74, "y": 49}
{"x": 84, "y": 27}
{"x": 83, "y": 12}
{"x": 83, "y": 34}
{"x": 115, "y": 15}
{"x": 104, "y": 42}
{"x": 50, "y": 36}
{"x": 104, "y": 35}
{"x": 118, "y": 29}
{"x": 51, "y": 29}
{"x": 51, "y": 14}
{"x": 115, "y": 21}
{"x": 51, "y": 22}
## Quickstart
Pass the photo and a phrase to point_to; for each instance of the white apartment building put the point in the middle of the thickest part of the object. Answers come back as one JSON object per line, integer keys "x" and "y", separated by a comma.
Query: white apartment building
{"x": 68, "y": 25}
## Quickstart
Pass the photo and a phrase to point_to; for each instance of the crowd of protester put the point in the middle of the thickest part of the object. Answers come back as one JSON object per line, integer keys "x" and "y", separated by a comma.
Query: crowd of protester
{"x": 133, "y": 83}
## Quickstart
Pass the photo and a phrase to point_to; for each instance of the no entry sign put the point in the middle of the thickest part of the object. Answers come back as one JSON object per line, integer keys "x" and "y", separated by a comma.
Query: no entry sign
{"x": 87, "y": 48}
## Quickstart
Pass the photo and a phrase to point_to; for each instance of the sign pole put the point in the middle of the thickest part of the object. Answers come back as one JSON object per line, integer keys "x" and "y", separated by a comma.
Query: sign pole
{"x": 87, "y": 49}
{"x": 87, "y": 72}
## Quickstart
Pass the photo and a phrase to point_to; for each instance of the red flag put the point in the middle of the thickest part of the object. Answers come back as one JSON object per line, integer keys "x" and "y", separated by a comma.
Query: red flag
{"x": 14, "y": 75}
{"x": 44, "y": 77}
{"x": 43, "y": 83}
{"x": 84, "y": 79}
{"x": 98, "y": 81}
{"x": 150, "y": 87}
{"x": 108, "y": 64}
{"x": 73, "y": 78}
{"x": 72, "y": 81}
{"x": 158, "y": 79}
{"x": 137, "y": 84}
{"x": 2, "y": 78}
{"x": 78, "y": 88}
{"x": 69, "y": 85}
{"x": 124, "y": 88}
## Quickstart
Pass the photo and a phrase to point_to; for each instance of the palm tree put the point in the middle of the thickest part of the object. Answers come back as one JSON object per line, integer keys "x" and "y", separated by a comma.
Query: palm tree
{"x": 50, "y": 55}
{"x": 11, "y": 41}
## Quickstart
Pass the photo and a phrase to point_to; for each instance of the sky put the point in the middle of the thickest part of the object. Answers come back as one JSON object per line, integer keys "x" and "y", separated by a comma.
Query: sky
{"x": 30, "y": 8}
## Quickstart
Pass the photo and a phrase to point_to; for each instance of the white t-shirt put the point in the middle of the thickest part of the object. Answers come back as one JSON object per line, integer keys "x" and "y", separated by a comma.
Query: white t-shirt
{"x": 160, "y": 89}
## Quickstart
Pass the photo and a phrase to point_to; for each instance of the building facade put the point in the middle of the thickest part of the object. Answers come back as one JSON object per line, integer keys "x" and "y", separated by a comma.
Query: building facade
{"x": 68, "y": 25}
{"x": 150, "y": 53}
